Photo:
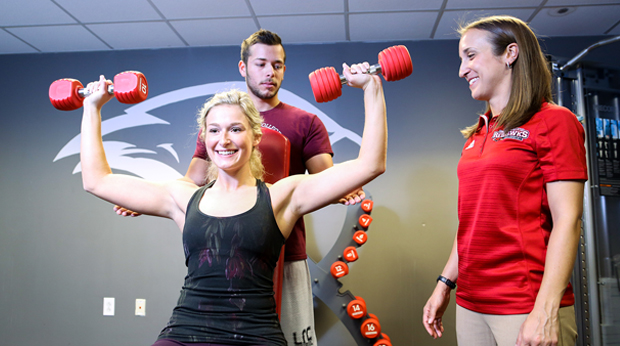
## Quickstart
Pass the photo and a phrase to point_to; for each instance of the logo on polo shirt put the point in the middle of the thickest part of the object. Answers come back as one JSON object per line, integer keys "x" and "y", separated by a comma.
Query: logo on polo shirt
{"x": 516, "y": 133}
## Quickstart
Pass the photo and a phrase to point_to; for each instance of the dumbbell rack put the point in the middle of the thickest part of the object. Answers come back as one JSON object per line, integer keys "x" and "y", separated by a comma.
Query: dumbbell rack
{"x": 327, "y": 288}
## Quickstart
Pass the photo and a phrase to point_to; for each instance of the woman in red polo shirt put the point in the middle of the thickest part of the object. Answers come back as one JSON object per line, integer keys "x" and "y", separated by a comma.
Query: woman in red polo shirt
{"x": 521, "y": 177}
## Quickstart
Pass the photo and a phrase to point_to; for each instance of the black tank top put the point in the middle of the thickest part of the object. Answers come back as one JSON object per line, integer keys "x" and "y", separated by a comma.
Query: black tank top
{"x": 227, "y": 297}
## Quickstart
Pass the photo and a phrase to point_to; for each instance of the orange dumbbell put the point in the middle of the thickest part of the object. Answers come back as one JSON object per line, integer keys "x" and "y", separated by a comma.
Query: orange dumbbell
{"x": 371, "y": 327}
{"x": 367, "y": 206}
{"x": 350, "y": 254}
{"x": 365, "y": 220}
{"x": 339, "y": 269}
{"x": 360, "y": 237}
{"x": 384, "y": 341}
{"x": 356, "y": 308}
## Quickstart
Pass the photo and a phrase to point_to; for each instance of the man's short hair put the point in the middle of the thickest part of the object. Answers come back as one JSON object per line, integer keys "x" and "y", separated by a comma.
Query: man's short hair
{"x": 261, "y": 36}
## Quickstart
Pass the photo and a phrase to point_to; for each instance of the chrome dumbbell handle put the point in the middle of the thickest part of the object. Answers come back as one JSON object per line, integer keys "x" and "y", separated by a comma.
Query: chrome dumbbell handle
{"x": 373, "y": 69}
{"x": 84, "y": 92}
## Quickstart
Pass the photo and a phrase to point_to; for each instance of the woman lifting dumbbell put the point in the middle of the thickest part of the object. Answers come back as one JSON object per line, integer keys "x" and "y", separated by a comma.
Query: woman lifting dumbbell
{"x": 233, "y": 228}
{"x": 521, "y": 177}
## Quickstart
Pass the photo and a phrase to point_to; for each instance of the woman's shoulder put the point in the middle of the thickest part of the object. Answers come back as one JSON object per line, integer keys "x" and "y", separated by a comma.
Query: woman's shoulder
{"x": 281, "y": 189}
{"x": 557, "y": 119}
{"x": 183, "y": 191}
{"x": 551, "y": 110}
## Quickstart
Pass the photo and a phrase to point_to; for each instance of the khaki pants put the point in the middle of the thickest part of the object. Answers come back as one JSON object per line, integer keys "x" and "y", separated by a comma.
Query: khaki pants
{"x": 475, "y": 329}
{"x": 297, "y": 305}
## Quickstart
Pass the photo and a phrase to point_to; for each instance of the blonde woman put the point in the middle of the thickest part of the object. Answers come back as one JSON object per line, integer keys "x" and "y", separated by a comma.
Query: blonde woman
{"x": 233, "y": 228}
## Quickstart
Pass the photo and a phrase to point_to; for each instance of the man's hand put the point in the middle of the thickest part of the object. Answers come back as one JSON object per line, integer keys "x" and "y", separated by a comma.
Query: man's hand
{"x": 125, "y": 212}
{"x": 353, "y": 198}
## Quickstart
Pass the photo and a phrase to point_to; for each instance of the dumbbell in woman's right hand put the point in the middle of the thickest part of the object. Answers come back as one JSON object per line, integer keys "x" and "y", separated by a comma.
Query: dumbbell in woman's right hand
{"x": 129, "y": 87}
{"x": 394, "y": 64}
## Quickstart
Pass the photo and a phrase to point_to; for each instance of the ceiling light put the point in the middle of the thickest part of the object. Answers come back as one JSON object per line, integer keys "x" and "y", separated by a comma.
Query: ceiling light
{"x": 561, "y": 11}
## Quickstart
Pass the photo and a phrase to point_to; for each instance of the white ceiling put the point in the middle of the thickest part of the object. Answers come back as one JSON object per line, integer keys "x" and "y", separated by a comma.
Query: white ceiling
{"x": 41, "y": 26}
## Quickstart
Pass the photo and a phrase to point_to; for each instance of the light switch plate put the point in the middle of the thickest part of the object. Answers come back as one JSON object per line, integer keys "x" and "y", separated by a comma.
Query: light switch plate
{"x": 140, "y": 306}
{"x": 108, "y": 306}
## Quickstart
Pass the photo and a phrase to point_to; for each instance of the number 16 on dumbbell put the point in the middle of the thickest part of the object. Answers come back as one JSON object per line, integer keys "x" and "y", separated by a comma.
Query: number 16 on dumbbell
{"x": 394, "y": 64}
{"x": 129, "y": 87}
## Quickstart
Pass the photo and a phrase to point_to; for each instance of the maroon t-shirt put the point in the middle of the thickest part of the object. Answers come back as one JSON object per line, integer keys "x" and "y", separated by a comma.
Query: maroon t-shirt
{"x": 308, "y": 137}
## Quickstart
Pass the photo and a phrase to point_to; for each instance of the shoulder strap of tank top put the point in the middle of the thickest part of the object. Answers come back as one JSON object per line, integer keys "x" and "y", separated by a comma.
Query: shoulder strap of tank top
{"x": 263, "y": 193}
{"x": 262, "y": 188}
{"x": 193, "y": 202}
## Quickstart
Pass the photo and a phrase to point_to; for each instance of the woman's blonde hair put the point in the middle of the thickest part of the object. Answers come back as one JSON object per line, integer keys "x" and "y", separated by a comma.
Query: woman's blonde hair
{"x": 531, "y": 76}
{"x": 243, "y": 100}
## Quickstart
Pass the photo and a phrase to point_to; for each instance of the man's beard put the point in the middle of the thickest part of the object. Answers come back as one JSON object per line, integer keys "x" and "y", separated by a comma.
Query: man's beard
{"x": 261, "y": 95}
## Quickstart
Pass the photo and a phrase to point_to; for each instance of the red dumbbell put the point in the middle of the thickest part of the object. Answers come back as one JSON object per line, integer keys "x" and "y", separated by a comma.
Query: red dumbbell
{"x": 365, "y": 220}
{"x": 360, "y": 237}
{"x": 367, "y": 206}
{"x": 384, "y": 341}
{"x": 394, "y": 64}
{"x": 371, "y": 327}
{"x": 129, "y": 87}
{"x": 339, "y": 269}
{"x": 350, "y": 254}
{"x": 356, "y": 308}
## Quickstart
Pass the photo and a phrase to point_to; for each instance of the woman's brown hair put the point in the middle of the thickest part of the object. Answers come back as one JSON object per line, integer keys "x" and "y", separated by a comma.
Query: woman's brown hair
{"x": 531, "y": 77}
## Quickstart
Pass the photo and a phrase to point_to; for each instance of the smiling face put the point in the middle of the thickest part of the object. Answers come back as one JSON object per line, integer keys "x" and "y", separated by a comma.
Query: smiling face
{"x": 229, "y": 138}
{"x": 264, "y": 70}
{"x": 488, "y": 75}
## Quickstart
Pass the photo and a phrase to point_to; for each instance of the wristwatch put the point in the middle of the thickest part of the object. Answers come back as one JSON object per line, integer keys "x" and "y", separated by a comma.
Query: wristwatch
{"x": 447, "y": 281}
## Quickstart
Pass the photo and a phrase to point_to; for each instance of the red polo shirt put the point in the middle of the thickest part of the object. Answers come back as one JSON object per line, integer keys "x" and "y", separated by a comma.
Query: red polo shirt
{"x": 504, "y": 216}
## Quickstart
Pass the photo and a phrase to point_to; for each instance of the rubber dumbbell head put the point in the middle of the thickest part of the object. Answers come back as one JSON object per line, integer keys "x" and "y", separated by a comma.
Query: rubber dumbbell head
{"x": 339, "y": 269}
{"x": 384, "y": 341}
{"x": 350, "y": 254}
{"x": 129, "y": 87}
{"x": 367, "y": 206}
{"x": 394, "y": 64}
{"x": 370, "y": 327}
{"x": 326, "y": 84}
{"x": 365, "y": 220}
{"x": 356, "y": 308}
{"x": 360, "y": 237}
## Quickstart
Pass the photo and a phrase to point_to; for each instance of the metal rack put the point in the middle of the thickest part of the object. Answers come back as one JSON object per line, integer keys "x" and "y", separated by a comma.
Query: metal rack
{"x": 593, "y": 94}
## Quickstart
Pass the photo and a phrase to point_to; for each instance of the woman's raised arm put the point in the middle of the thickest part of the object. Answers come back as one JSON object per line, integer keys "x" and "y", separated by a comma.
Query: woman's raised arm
{"x": 159, "y": 199}
{"x": 302, "y": 194}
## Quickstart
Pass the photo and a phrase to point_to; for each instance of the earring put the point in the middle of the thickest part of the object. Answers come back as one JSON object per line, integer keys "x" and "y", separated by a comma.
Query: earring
{"x": 508, "y": 66}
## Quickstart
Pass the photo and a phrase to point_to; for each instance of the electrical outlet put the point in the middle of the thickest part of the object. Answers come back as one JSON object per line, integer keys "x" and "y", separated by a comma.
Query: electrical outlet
{"x": 140, "y": 306}
{"x": 108, "y": 306}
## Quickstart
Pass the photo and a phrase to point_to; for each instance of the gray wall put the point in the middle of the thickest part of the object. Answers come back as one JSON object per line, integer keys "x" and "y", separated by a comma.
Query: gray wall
{"x": 62, "y": 250}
